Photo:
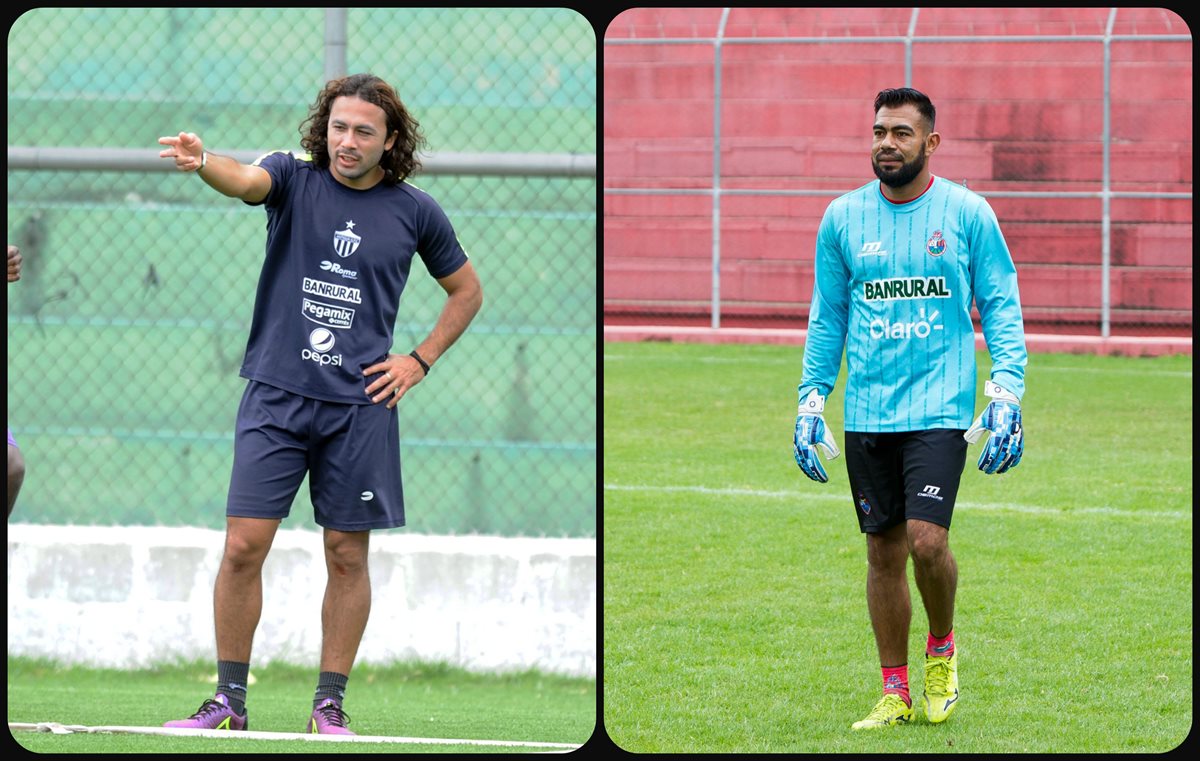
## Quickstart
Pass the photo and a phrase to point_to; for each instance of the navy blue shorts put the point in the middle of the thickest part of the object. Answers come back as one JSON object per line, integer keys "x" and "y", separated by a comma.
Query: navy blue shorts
{"x": 896, "y": 477}
{"x": 351, "y": 453}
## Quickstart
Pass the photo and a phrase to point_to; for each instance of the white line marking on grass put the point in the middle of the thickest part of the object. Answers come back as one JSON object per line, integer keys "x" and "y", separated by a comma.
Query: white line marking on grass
{"x": 822, "y": 497}
{"x": 67, "y": 729}
{"x": 1114, "y": 371}
{"x": 714, "y": 360}
{"x": 796, "y": 361}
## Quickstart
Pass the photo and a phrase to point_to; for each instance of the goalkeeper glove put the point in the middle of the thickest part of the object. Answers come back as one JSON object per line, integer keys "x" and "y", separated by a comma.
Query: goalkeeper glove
{"x": 811, "y": 432}
{"x": 1002, "y": 420}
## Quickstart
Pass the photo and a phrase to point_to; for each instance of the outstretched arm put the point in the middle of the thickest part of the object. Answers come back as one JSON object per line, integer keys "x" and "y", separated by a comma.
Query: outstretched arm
{"x": 228, "y": 176}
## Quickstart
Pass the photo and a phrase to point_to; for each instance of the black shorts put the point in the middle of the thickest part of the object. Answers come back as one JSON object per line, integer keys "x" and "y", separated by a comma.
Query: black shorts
{"x": 899, "y": 476}
{"x": 350, "y": 452}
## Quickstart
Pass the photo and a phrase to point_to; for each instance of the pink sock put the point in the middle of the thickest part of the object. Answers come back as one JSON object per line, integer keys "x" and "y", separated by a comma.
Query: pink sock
{"x": 942, "y": 647}
{"x": 896, "y": 680}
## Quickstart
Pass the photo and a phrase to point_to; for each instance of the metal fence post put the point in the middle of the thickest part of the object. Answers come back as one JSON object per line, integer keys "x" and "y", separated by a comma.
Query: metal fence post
{"x": 716, "y": 187}
{"x": 1106, "y": 188}
{"x": 908, "y": 43}
{"x": 335, "y": 43}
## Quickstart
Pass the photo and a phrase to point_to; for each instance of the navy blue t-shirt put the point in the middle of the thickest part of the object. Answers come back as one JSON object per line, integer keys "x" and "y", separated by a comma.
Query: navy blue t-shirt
{"x": 337, "y": 261}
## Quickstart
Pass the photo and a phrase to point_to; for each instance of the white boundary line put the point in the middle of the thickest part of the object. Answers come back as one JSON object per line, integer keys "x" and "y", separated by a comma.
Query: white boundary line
{"x": 792, "y": 361}
{"x": 845, "y": 498}
{"x": 67, "y": 729}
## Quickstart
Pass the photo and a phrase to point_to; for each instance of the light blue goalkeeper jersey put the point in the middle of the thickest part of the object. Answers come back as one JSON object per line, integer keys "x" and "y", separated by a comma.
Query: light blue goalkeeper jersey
{"x": 894, "y": 285}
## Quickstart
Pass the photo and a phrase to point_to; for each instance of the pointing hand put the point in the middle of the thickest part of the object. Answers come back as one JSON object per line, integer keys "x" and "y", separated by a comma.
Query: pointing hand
{"x": 187, "y": 150}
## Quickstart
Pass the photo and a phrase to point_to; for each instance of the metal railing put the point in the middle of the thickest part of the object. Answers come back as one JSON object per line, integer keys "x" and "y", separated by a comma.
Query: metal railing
{"x": 1105, "y": 193}
{"x": 445, "y": 164}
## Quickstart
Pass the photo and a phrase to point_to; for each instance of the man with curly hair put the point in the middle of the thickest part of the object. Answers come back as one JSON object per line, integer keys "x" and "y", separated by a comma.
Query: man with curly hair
{"x": 343, "y": 226}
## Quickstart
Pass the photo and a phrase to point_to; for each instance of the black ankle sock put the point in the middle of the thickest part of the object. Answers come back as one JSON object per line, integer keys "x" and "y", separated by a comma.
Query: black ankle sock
{"x": 231, "y": 680}
{"x": 330, "y": 684}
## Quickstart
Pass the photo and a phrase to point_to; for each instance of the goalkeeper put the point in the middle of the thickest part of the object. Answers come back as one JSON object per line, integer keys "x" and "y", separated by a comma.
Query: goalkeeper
{"x": 898, "y": 263}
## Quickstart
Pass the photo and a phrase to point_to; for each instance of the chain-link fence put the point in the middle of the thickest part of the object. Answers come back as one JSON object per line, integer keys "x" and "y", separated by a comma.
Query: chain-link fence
{"x": 728, "y": 132}
{"x": 127, "y": 328}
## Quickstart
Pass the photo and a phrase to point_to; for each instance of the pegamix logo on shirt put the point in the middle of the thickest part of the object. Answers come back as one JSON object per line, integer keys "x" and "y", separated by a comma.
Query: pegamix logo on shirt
{"x": 906, "y": 288}
{"x": 329, "y": 315}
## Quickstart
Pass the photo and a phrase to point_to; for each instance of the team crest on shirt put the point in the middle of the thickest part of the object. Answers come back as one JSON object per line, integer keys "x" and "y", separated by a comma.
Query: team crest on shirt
{"x": 345, "y": 242}
{"x": 936, "y": 245}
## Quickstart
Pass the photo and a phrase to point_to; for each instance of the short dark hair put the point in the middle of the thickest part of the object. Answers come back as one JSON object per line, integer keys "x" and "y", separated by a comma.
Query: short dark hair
{"x": 898, "y": 96}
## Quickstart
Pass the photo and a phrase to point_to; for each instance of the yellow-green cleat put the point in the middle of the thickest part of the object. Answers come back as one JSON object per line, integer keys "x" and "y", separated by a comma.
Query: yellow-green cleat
{"x": 941, "y": 687}
{"x": 888, "y": 712}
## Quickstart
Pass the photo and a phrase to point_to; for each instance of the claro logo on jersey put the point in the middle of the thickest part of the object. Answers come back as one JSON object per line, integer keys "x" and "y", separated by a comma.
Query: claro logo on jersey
{"x": 881, "y": 327}
{"x": 906, "y": 288}
{"x": 321, "y": 341}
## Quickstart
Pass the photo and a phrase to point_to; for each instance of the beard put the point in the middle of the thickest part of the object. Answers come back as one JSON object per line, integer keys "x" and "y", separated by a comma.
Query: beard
{"x": 902, "y": 175}
{"x": 362, "y": 168}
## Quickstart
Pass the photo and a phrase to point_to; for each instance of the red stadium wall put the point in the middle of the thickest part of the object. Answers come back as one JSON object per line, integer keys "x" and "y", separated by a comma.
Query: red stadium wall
{"x": 1014, "y": 116}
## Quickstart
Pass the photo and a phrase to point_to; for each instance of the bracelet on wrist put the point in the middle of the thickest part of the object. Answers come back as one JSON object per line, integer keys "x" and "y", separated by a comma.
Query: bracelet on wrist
{"x": 424, "y": 365}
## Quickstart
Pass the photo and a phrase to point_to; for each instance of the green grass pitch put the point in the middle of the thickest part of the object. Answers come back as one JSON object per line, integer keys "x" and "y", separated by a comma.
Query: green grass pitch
{"x": 734, "y": 610}
{"x": 404, "y": 700}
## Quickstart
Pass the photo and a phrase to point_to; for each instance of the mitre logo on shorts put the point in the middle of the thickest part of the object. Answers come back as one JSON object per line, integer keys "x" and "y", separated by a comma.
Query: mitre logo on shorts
{"x": 932, "y": 492}
{"x": 321, "y": 341}
{"x": 345, "y": 242}
{"x": 906, "y": 288}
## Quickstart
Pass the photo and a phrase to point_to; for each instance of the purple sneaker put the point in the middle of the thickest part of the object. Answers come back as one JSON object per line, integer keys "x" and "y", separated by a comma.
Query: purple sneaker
{"x": 215, "y": 713}
{"x": 328, "y": 718}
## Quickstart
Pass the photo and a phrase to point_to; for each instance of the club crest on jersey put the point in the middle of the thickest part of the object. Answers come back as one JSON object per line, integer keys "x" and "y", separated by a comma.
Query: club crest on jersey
{"x": 936, "y": 245}
{"x": 863, "y": 504}
{"x": 345, "y": 242}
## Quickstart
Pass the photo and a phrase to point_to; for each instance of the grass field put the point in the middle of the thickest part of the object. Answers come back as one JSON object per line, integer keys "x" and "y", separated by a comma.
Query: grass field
{"x": 735, "y": 615}
{"x": 411, "y": 700}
